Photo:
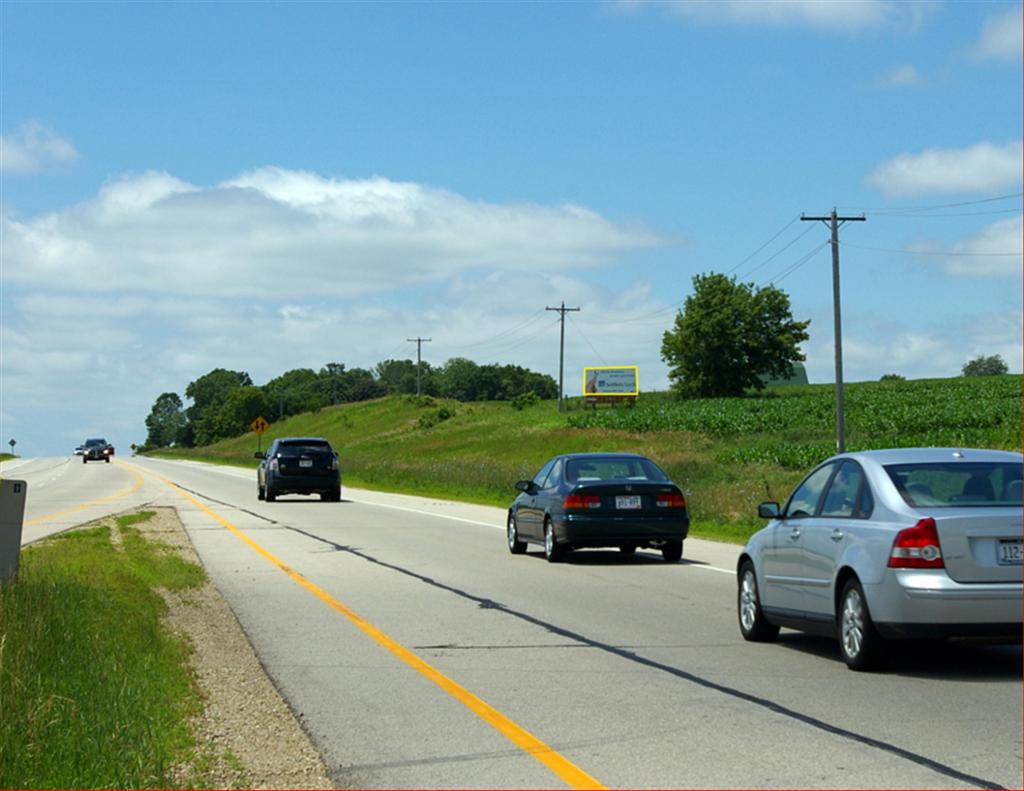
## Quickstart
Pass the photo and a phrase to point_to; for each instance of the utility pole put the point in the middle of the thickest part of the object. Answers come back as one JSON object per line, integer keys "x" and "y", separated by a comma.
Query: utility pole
{"x": 835, "y": 222}
{"x": 419, "y": 345}
{"x": 561, "y": 355}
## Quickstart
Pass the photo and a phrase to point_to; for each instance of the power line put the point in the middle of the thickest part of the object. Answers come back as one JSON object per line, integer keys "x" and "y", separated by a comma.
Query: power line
{"x": 759, "y": 249}
{"x": 795, "y": 266}
{"x": 516, "y": 343}
{"x": 898, "y": 209}
{"x": 530, "y": 319}
{"x": 927, "y": 252}
{"x": 580, "y": 331}
{"x": 779, "y": 252}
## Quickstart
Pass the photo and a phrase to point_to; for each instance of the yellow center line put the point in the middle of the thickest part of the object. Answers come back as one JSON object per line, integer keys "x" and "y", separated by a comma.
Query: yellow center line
{"x": 98, "y": 501}
{"x": 523, "y": 739}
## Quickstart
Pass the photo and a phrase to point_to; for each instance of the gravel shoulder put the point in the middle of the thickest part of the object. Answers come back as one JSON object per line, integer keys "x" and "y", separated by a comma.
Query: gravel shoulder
{"x": 248, "y": 733}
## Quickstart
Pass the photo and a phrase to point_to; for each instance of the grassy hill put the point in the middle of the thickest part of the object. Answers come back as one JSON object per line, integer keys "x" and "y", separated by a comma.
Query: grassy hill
{"x": 727, "y": 454}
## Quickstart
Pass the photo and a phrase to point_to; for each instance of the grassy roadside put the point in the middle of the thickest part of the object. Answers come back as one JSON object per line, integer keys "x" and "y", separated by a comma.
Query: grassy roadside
{"x": 727, "y": 454}
{"x": 94, "y": 691}
{"x": 7, "y": 457}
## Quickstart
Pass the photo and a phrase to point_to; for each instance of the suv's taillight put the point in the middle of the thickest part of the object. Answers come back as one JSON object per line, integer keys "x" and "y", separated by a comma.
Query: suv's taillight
{"x": 917, "y": 547}
{"x": 581, "y": 501}
{"x": 334, "y": 463}
{"x": 670, "y": 501}
{"x": 273, "y": 464}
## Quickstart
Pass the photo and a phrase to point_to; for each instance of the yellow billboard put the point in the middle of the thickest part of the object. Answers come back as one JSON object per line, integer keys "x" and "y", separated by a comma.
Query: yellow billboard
{"x": 611, "y": 380}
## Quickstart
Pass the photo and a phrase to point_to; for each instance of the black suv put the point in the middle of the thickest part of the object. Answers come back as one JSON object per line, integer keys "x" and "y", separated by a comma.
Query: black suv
{"x": 96, "y": 450}
{"x": 299, "y": 465}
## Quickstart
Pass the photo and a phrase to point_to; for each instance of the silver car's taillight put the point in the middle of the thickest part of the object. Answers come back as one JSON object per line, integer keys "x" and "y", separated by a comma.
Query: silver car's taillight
{"x": 917, "y": 547}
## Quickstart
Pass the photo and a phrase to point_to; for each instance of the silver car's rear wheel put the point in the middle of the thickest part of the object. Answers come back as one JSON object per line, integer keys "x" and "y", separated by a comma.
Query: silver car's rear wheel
{"x": 863, "y": 648}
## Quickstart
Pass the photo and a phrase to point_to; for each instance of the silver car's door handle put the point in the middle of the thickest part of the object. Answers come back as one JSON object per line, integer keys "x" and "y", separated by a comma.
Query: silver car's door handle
{"x": 795, "y": 534}
{"x": 837, "y": 534}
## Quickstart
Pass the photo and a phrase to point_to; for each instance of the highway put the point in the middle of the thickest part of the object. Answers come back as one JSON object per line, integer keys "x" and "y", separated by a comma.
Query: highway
{"x": 419, "y": 653}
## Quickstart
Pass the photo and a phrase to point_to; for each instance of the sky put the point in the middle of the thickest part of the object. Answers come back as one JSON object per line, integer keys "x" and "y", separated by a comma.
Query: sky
{"x": 265, "y": 186}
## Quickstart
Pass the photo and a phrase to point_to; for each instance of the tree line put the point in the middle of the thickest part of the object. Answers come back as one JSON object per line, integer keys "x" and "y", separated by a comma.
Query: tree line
{"x": 224, "y": 403}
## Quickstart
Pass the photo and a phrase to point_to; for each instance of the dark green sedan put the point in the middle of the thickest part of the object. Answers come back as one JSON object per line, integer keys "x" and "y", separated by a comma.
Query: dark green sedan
{"x": 582, "y": 500}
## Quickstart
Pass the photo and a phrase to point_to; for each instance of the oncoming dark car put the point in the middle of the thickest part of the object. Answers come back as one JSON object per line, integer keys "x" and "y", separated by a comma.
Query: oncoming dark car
{"x": 299, "y": 465}
{"x": 96, "y": 450}
{"x": 598, "y": 500}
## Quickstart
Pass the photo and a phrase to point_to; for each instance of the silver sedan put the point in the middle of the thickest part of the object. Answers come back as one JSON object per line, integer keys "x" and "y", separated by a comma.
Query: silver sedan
{"x": 890, "y": 544}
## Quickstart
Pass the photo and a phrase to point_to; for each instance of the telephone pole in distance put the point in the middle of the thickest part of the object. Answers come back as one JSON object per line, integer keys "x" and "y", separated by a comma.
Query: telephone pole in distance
{"x": 561, "y": 354}
{"x": 419, "y": 345}
{"x": 835, "y": 222}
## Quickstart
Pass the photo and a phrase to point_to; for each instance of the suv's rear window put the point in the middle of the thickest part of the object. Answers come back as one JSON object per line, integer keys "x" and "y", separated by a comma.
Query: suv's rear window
{"x": 296, "y": 448}
{"x": 957, "y": 484}
{"x": 613, "y": 469}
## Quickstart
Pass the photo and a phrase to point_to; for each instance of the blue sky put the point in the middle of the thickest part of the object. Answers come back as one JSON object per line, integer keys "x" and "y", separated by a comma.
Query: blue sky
{"x": 266, "y": 186}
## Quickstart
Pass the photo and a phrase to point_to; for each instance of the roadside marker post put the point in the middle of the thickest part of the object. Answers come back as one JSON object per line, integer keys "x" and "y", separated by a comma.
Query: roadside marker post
{"x": 12, "y": 516}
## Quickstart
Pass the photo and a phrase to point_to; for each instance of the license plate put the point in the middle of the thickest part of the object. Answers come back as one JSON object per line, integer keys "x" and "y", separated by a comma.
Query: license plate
{"x": 305, "y": 462}
{"x": 1010, "y": 553}
{"x": 627, "y": 501}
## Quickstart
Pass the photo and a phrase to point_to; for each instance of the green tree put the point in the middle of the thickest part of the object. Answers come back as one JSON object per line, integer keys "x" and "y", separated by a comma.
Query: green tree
{"x": 363, "y": 386}
{"x": 295, "y": 391}
{"x": 208, "y": 394}
{"x": 399, "y": 376}
{"x": 334, "y": 385}
{"x": 460, "y": 379}
{"x": 729, "y": 336}
{"x": 241, "y": 407}
{"x": 166, "y": 421}
{"x": 984, "y": 366}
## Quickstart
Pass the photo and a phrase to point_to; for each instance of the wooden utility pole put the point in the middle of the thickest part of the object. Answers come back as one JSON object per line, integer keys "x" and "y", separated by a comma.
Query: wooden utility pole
{"x": 835, "y": 222}
{"x": 561, "y": 354}
{"x": 419, "y": 345}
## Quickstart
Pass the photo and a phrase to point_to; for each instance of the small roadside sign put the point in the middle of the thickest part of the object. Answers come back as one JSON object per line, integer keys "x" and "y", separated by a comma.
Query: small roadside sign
{"x": 12, "y": 443}
{"x": 259, "y": 425}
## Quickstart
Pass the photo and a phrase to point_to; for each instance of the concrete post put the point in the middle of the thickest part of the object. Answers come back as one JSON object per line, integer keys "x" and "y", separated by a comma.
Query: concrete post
{"x": 12, "y": 515}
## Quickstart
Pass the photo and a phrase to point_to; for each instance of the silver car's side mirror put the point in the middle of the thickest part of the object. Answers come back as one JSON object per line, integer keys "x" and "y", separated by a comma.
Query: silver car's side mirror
{"x": 768, "y": 510}
{"x": 524, "y": 486}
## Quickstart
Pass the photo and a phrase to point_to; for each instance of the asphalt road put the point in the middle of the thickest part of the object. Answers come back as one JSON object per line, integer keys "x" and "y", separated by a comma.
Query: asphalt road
{"x": 419, "y": 653}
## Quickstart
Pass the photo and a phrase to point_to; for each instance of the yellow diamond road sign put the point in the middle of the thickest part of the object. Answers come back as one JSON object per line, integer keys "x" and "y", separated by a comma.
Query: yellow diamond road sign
{"x": 259, "y": 425}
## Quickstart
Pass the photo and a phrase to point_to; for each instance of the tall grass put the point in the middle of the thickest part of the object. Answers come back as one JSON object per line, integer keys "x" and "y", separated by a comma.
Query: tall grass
{"x": 94, "y": 692}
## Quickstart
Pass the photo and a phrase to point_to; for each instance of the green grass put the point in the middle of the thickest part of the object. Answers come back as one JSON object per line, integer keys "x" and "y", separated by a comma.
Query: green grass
{"x": 727, "y": 454}
{"x": 7, "y": 456}
{"x": 94, "y": 691}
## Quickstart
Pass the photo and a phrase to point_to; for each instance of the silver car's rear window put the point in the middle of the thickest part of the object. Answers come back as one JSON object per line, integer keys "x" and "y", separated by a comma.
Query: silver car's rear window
{"x": 952, "y": 485}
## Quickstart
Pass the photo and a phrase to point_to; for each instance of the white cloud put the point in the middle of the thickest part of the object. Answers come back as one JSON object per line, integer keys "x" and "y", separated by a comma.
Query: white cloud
{"x": 933, "y": 349}
{"x": 905, "y": 76}
{"x": 985, "y": 254}
{"x": 983, "y": 167}
{"x": 286, "y": 233}
{"x": 1000, "y": 37}
{"x": 109, "y": 357}
{"x": 32, "y": 147}
{"x": 848, "y": 15}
